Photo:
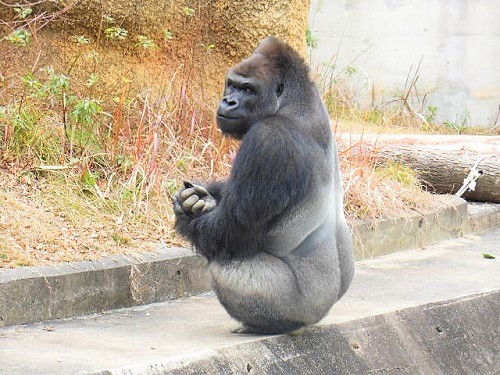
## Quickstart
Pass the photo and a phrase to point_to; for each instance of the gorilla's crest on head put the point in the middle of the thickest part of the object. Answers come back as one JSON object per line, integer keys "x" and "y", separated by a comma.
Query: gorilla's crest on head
{"x": 274, "y": 60}
{"x": 281, "y": 59}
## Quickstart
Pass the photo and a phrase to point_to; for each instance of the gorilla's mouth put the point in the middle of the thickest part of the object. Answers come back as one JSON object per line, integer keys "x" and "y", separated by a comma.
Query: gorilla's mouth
{"x": 232, "y": 126}
{"x": 233, "y": 118}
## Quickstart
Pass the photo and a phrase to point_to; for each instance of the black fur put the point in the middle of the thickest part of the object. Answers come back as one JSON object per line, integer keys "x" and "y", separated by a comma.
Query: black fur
{"x": 284, "y": 180}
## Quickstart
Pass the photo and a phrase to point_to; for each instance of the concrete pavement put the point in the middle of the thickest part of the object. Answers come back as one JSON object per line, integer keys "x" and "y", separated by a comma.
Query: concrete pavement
{"x": 180, "y": 336}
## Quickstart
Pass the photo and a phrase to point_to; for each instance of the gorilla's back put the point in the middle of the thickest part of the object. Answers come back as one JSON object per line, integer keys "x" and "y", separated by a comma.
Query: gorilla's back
{"x": 322, "y": 206}
{"x": 307, "y": 267}
{"x": 314, "y": 236}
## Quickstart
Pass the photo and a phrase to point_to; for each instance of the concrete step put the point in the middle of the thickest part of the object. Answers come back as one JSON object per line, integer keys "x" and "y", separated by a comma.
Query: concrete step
{"x": 429, "y": 311}
{"x": 33, "y": 294}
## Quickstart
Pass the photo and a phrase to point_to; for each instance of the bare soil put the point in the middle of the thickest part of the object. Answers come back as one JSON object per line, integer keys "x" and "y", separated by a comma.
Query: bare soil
{"x": 35, "y": 230}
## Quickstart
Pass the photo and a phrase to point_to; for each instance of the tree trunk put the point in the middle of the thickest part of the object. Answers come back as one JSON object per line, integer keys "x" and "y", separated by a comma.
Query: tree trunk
{"x": 243, "y": 24}
{"x": 443, "y": 162}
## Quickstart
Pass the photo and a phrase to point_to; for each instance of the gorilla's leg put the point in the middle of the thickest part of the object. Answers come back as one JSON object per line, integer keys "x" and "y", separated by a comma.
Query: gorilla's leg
{"x": 346, "y": 256}
{"x": 267, "y": 296}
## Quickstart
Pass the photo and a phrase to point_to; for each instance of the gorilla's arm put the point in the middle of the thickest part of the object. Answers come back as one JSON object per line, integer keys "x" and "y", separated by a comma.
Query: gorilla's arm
{"x": 269, "y": 173}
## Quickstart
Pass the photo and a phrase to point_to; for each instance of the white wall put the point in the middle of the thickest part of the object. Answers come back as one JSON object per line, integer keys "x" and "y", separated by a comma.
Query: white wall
{"x": 458, "y": 41}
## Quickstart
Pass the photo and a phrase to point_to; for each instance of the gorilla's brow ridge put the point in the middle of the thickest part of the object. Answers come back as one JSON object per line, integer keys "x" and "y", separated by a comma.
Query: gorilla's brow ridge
{"x": 257, "y": 66}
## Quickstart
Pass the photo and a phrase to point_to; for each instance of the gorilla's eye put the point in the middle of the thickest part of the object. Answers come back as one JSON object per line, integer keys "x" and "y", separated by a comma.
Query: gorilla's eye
{"x": 249, "y": 90}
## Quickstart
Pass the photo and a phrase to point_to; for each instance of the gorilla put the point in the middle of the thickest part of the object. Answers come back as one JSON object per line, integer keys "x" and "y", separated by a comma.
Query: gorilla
{"x": 277, "y": 243}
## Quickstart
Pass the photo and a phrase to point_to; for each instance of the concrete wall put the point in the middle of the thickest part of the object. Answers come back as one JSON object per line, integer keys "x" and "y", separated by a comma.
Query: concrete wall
{"x": 457, "y": 40}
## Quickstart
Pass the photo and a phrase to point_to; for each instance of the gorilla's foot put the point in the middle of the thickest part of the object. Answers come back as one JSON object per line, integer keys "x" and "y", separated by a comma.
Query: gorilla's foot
{"x": 245, "y": 329}
{"x": 298, "y": 332}
{"x": 295, "y": 330}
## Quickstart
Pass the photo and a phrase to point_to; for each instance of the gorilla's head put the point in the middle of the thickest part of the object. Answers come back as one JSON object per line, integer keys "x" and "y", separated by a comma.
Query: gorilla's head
{"x": 255, "y": 87}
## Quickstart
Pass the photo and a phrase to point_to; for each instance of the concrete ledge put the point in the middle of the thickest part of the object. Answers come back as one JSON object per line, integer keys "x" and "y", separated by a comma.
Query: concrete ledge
{"x": 415, "y": 230}
{"x": 459, "y": 336}
{"x": 482, "y": 216}
{"x": 420, "y": 311}
{"x": 34, "y": 294}
{"x": 42, "y": 293}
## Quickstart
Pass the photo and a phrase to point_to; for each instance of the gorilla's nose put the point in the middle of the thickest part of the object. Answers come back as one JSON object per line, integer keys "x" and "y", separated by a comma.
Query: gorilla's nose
{"x": 229, "y": 103}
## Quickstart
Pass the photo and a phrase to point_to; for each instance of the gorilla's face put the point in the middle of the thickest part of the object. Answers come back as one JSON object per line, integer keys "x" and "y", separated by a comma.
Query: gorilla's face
{"x": 247, "y": 99}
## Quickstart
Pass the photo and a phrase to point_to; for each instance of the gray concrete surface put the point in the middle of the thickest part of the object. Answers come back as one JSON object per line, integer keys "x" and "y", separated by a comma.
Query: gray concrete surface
{"x": 456, "y": 41}
{"x": 69, "y": 289}
{"x": 458, "y": 336}
{"x": 418, "y": 229}
{"x": 482, "y": 216}
{"x": 180, "y": 336}
{"x": 33, "y": 294}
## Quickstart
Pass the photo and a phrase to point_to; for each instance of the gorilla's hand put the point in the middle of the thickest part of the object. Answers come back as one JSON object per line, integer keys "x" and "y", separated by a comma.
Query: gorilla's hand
{"x": 193, "y": 200}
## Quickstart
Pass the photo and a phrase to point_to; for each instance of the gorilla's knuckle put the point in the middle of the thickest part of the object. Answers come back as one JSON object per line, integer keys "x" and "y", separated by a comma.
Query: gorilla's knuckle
{"x": 198, "y": 206}
{"x": 187, "y": 193}
{"x": 208, "y": 207}
{"x": 189, "y": 202}
{"x": 178, "y": 210}
{"x": 200, "y": 190}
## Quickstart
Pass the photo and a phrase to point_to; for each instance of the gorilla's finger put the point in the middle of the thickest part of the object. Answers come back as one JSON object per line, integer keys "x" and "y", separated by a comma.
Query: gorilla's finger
{"x": 176, "y": 197}
{"x": 198, "y": 206}
{"x": 177, "y": 207}
{"x": 189, "y": 203}
{"x": 187, "y": 193}
{"x": 200, "y": 190}
{"x": 188, "y": 184}
{"x": 209, "y": 205}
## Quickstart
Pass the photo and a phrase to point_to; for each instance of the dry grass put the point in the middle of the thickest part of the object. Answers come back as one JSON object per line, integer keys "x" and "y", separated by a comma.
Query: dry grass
{"x": 89, "y": 160}
{"x": 107, "y": 188}
{"x": 104, "y": 185}
{"x": 374, "y": 191}
{"x": 35, "y": 231}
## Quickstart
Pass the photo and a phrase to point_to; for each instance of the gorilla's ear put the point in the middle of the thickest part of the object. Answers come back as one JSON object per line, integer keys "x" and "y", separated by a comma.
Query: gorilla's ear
{"x": 279, "y": 90}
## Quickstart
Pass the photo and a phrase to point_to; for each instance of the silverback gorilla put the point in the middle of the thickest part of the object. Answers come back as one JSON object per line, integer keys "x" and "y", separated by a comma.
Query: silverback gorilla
{"x": 274, "y": 234}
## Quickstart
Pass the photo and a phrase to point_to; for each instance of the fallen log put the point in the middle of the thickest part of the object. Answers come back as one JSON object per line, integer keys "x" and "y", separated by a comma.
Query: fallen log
{"x": 442, "y": 162}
